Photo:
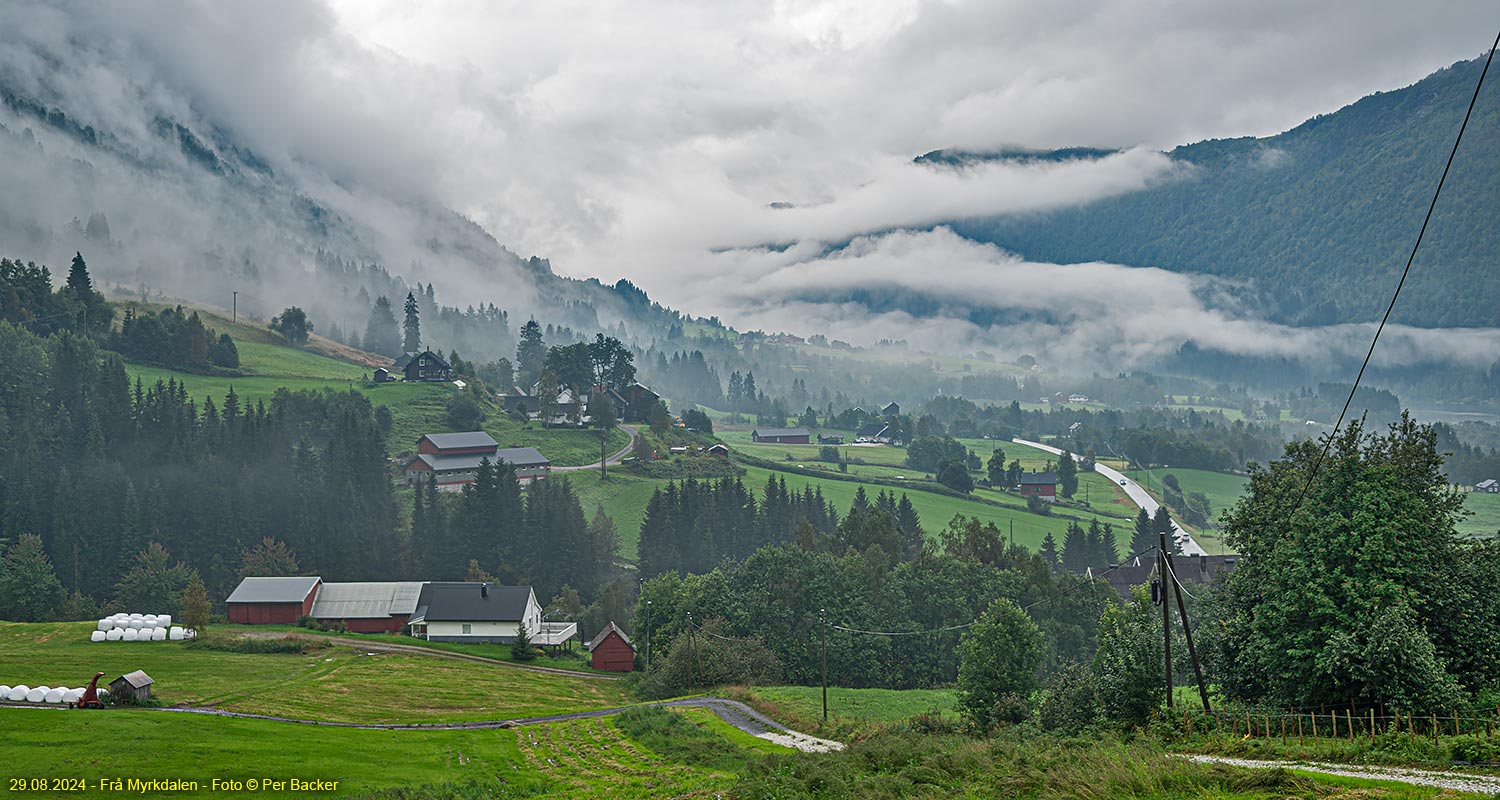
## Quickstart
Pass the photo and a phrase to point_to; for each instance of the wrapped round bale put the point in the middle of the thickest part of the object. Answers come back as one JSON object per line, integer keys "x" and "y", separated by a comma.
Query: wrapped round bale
{"x": 72, "y": 695}
{"x": 97, "y": 636}
{"x": 137, "y": 616}
{"x": 136, "y": 624}
{"x": 17, "y": 693}
{"x": 115, "y": 635}
{"x": 165, "y": 620}
{"x": 4, "y": 692}
{"x": 131, "y": 635}
{"x": 106, "y": 624}
{"x": 55, "y": 696}
{"x": 175, "y": 634}
{"x": 158, "y": 634}
{"x": 38, "y": 694}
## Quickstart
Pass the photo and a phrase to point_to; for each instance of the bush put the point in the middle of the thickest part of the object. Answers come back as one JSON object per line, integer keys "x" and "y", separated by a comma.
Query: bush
{"x": 1071, "y": 702}
{"x": 464, "y": 412}
{"x": 1037, "y": 505}
{"x": 259, "y": 646}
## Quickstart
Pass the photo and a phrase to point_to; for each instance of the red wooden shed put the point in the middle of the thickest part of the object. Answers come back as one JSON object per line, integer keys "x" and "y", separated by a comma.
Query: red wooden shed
{"x": 272, "y": 601}
{"x": 611, "y": 650}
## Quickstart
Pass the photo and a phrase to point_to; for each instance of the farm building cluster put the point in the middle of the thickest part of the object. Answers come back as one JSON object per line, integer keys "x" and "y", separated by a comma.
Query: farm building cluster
{"x": 632, "y": 403}
{"x": 452, "y": 459}
{"x": 439, "y": 611}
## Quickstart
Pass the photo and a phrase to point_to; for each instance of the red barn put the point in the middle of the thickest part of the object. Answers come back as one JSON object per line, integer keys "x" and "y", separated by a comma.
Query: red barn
{"x": 1039, "y": 484}
{"x": 611, "y": 650}
{"x": 458, "y": 444}
{"x": 272, "y": 601}
{"x": 781, "y": 436}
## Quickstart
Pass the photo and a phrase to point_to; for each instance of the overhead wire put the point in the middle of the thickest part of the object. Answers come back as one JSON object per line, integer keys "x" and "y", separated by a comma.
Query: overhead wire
{"x": 1328, "y": 441}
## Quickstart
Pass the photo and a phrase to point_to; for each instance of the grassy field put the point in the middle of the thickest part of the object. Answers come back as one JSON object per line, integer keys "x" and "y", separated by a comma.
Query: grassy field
{"x": 1486, "y": 517}
{"x": 325, "y": 683}
{"x": 851, "y": 708}
{"x": 584, "y": 758}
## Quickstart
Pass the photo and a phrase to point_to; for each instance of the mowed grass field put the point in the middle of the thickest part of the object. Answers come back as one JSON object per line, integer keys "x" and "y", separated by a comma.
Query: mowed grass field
{"x": 337, "y": 684}
{"x": 582, "y": 758}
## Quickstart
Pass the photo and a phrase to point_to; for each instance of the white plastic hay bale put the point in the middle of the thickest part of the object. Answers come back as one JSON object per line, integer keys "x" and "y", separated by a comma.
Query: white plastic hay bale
{"x": 55, "y": 696}
{"x": 72, "y": 695}
{"x": 114, "y": 635}
{"x": 175, "y": 634}
{"x": 97, "y": 636}
{"x": 137, "y": 616}
{"x": 106, "y": 624}
{"x": 165, "y": 620}
{"x": 136, "y": 624}
{"x": 189, "y": 633}
{"x": 4, "y": 692}
{"x": 131, "y": 635}
{"x": 158, "y": 634}
{"x": 148, "y": 616}
{"x": 17, "y": 693}
{"x": 38, "y": 694}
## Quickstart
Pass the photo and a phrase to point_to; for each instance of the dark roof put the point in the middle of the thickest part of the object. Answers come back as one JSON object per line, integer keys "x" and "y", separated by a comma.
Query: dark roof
{"x": 719, "y": 448}
{"x": 272, "y": 590}
{"x": 468, "y": 602}
{"x": 458, "y": 441}
{"x": 781, "y": 432}
{"x": 136, "y": 679}
{"x": 1038, "y": 478}
{"x": 402, "y": 361}
{"x": 604, "y": 634}
{"x": 872, "y": 430}
{"x": 515, "y": 456}
{"x": 442, "y": 362}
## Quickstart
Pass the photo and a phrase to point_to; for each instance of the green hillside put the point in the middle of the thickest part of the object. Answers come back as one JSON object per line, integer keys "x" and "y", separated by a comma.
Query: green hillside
{"x": 269, "y": 364}
{"x": 1319, "y": 219}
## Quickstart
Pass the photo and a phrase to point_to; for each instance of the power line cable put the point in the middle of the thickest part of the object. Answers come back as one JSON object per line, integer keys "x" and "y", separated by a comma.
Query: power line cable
{"x": 1328, "y": 443}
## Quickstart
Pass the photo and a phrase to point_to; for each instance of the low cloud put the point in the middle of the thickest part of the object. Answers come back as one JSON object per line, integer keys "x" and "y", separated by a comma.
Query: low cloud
{"x": 1091, "y": 315}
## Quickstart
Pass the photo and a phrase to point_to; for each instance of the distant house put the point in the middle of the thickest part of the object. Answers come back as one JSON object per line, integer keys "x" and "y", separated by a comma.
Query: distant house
{"x": 429, "y": 367}
{"x": 876, "y": 432}
{"x": 830, "y": 438}
{"x": 475, "y": 612}
{"x": 891, "y": 409}
{"x": 272, "y": 601}
{"x": 383, "y": 375}
{"x": 134, "y": 685}
{"x": 781, "y": 436}
{"x": 1078, "y": 398}
{"x": 458, "y": 444}
{"x": 453, "y": 471}
{"x": 1141, "y": 570}
{"x": 718, "y": 450}
{"x": 1039, "y": 484}
{"x": 1490, "y": 486}
{"x": 611, "y": 650}
{"x": 639, "y": 400}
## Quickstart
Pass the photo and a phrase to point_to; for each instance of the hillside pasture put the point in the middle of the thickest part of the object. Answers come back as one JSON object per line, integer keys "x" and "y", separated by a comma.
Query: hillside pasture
{"x": 330, "y": 683}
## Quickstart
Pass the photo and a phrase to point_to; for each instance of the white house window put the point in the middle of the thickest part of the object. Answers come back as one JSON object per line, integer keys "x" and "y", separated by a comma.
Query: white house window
{"x": 421, "y": 362}
{"x": 468, "y": 629}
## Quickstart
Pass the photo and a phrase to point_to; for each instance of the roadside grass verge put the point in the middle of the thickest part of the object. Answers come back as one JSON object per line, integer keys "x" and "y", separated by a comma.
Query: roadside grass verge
{"x": 852, "y": 713}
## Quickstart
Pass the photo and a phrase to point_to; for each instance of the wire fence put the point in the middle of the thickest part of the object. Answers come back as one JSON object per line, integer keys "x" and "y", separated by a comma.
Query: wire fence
{"x": 1326, "y": 723}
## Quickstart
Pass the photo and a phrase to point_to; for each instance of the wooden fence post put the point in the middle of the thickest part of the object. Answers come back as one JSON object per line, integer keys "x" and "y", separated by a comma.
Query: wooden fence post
{"x": 1349, "y": 722}
{"x": 1315, "y": 726}
{"x": 1434, "y": 729}
{"x": 1372, "y": 723}
{"x": 1300, "y": 739}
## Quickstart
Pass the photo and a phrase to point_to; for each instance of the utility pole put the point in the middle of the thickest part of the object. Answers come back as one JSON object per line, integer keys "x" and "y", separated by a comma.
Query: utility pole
{"x": 1012, "y": 533}
{"x": 1187, "y": 632}
{"x": 693, "y": 650}
{"x": 823, "y": 628}
{"x": 235, "y": 312}
{"x": 1166, "y": 614}
{"x": 648, "y": 634}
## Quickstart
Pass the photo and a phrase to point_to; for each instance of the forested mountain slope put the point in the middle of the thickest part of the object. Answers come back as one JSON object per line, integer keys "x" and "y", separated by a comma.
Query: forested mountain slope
{"x": 1319, "y": 220}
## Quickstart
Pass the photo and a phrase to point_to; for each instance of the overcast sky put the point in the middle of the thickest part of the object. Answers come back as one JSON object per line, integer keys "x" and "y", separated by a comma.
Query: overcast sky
{"x": 628, "y": 138}
{"x": 649, "y": 140}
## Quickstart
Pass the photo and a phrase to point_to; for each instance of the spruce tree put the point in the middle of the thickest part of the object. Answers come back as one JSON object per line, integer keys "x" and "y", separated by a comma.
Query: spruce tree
{"x": 1067, "y": 475}
{"x": 531, "y": 353}
{"x": 412, "y": 325}
{"x": 79, "y": 279}
{"x": 1144, "y": 538}
{"x": 1049, "y": 551}
{"x": 29, "y": 589}
{"x": 380, "y": 329}
{"x": 1075, "y": 550}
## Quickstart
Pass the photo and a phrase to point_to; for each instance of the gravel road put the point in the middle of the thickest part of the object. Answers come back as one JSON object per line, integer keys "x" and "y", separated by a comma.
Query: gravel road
{"x": 1457, "y": 781}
